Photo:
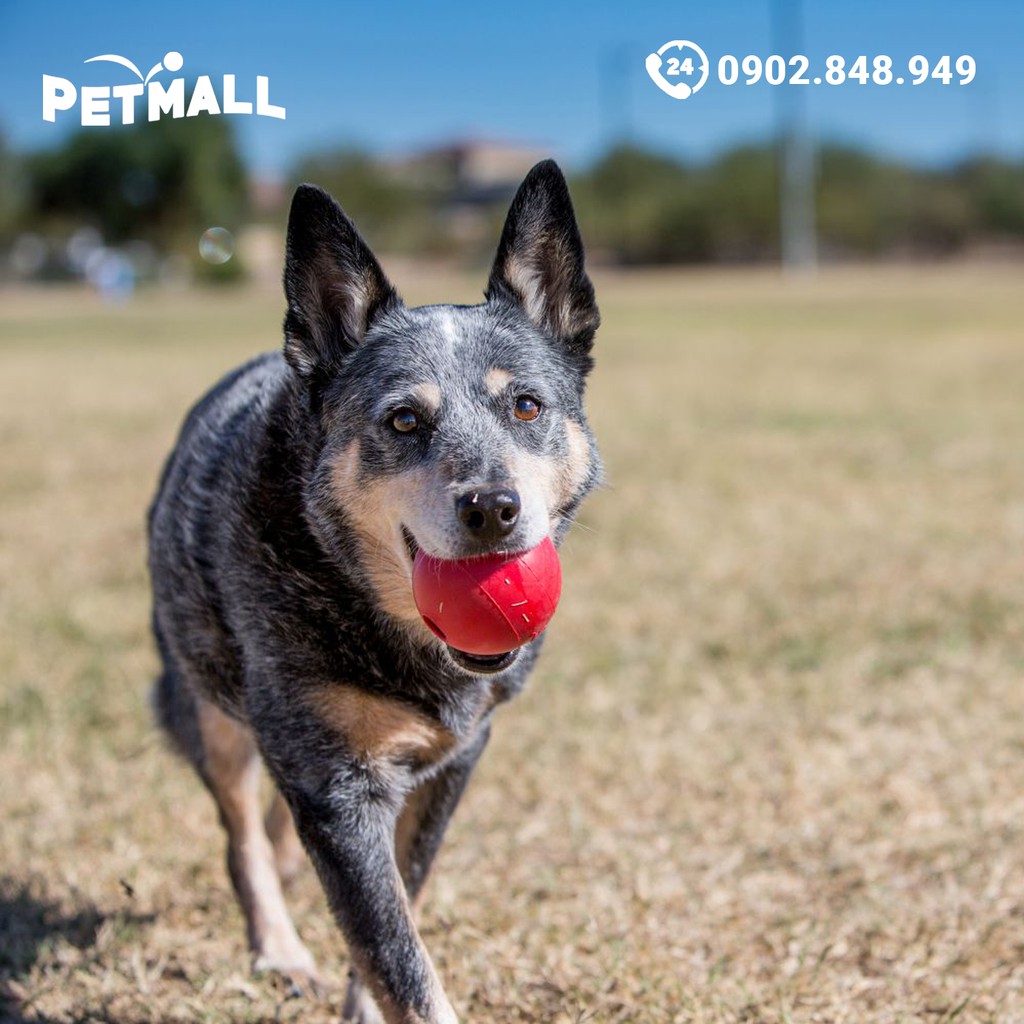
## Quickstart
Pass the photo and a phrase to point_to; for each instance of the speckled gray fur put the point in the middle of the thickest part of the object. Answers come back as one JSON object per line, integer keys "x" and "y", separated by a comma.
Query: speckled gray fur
{"x": 264, "y": 593}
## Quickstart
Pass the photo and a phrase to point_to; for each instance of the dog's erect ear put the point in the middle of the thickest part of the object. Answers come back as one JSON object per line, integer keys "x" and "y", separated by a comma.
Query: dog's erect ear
{"x": 334, "y": 284}
{"x": 539, "y": 264}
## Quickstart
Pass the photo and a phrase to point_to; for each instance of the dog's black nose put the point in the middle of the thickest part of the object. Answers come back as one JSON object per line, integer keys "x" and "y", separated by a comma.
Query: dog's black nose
{"x": 489, "y": 513}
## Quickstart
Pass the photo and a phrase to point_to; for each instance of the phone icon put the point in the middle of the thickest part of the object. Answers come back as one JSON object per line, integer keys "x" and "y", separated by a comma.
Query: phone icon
{"x": 678, "y": 90}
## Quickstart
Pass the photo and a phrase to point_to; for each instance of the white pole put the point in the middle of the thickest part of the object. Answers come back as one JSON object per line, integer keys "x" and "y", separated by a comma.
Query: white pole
{"x": 796, "y": 165}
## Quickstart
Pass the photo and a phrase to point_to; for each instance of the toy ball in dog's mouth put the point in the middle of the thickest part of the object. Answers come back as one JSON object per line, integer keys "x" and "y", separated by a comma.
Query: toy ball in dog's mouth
{"x": 491, "y": 605}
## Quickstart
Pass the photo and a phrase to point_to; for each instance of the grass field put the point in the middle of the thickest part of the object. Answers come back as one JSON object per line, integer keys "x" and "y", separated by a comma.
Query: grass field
{"x": 771, "y": 768}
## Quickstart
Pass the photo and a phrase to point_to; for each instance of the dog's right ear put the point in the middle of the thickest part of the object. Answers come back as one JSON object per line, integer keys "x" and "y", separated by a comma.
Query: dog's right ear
{"x": 334, "y": 285}
{"x": 539, "y": 265}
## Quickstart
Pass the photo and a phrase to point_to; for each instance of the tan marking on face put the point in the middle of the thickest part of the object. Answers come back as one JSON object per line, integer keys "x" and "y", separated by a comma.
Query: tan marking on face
{"x": 373, "y": 509}
{"x": 536, "y": 479}
{"x": 496, "y": 381}
{"x": 380, "y": 729}
{"x": 429, "y": 394}
{"x": 556, "y": 480}
{"x": 540, "y": 471}
{"x": 577, "y": 467}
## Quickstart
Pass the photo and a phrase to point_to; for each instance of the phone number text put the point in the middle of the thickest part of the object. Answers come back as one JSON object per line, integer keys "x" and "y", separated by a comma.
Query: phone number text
{"x": 863, "y": 70}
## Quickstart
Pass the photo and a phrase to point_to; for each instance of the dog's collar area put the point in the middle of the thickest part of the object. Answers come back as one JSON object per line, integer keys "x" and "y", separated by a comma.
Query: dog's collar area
{"x": 483, "y": 664}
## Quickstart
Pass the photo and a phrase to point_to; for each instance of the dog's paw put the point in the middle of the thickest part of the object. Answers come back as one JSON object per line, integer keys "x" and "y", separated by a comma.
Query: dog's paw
{"x": 367, "y": 1014}
{"x": 297, "y": 973}
{"x": 359, "y": 1006}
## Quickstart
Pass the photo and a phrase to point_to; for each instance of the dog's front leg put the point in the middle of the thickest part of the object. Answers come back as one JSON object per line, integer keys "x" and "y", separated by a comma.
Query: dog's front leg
{"x": 346, "y": 806}
{"x": 419, "y": 832}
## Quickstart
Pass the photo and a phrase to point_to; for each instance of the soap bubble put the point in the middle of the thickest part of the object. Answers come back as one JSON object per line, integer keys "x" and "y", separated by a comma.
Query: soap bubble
{"x": 217, "y": 245}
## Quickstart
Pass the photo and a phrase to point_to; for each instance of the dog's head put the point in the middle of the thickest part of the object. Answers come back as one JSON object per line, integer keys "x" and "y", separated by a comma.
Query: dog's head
{"x": 456, "y": 429}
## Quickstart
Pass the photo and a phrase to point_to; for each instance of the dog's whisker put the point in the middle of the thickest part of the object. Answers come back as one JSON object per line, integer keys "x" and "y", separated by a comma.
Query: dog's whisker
{"x": 575, "y": 524}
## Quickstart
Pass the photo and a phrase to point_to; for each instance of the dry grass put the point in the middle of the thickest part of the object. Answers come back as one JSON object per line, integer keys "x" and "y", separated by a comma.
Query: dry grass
{"x": 772, "y": 768}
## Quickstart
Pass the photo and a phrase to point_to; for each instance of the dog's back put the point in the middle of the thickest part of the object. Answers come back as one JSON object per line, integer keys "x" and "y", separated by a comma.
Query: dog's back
{"x": 190, "y": 523}
{"x": 185, "y": 521}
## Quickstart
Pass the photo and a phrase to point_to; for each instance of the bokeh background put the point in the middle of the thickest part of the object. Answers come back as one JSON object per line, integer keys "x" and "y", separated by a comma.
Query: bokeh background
{"x": 423, "y": 120}
{"x": 772, "y": 765}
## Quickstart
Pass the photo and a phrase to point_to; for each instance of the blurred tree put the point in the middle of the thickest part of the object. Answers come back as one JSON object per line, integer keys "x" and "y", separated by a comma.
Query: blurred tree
{"x": 641, "y": 207}
{"x": 11, "y": 189}
{"x": 996, "y": 191}
{"x": 869, "y": 206}
{"x": 862, "y": 202}
{"x": 741, "y": 192}
{"x": 166, "y": 181}
{"x": 163, "y": 181}
{"x": 391, "y": 211}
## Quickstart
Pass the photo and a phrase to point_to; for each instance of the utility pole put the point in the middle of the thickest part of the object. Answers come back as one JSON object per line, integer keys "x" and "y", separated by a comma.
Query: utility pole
{"x": 796, "y": 152}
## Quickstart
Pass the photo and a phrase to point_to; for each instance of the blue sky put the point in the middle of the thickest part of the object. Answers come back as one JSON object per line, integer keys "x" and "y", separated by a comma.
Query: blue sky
{"x": 567, "y": 76}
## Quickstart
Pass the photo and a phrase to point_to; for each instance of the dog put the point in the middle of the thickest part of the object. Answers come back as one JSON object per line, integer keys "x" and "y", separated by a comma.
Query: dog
{"x": 282, "y": 542}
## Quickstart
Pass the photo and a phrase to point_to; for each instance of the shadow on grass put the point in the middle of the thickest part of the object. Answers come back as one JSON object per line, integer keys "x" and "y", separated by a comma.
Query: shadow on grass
{"x": 32, "y": 926}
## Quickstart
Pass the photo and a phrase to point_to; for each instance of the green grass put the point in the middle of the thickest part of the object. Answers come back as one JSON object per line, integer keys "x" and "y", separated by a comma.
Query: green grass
{"x": 771, "y": 768}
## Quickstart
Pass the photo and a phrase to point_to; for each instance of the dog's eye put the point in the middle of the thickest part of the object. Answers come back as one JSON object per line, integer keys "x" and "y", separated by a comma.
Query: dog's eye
{"x": 405, "y": 421}
{"x": 527, "y": 408}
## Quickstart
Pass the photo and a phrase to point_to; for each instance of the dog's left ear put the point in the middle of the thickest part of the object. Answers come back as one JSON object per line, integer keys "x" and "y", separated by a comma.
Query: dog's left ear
{"x": 539, "y": 265}
{"x": 333, "y": 282}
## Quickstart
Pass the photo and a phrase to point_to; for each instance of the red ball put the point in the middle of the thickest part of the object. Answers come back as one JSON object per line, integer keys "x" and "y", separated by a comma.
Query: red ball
{"x": 491, "y": 604}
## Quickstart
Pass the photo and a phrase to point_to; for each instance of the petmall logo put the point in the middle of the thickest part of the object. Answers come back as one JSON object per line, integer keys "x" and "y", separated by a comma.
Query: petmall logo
{"x": 96, "y": 100}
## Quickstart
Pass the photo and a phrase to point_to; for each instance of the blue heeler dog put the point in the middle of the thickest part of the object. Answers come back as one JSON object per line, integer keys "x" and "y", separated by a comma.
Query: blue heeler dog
{"x": 282, "y": 542}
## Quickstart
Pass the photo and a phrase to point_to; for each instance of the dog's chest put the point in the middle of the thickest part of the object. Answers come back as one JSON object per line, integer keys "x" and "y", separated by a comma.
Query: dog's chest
{"x": 384, "y": 730}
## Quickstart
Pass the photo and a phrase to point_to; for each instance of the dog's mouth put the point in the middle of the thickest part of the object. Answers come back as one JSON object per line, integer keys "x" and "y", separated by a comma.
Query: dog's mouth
{"x": 478, "y": 664}
{"x": 483, "y": 664}
{"x": 413, "y": 547}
